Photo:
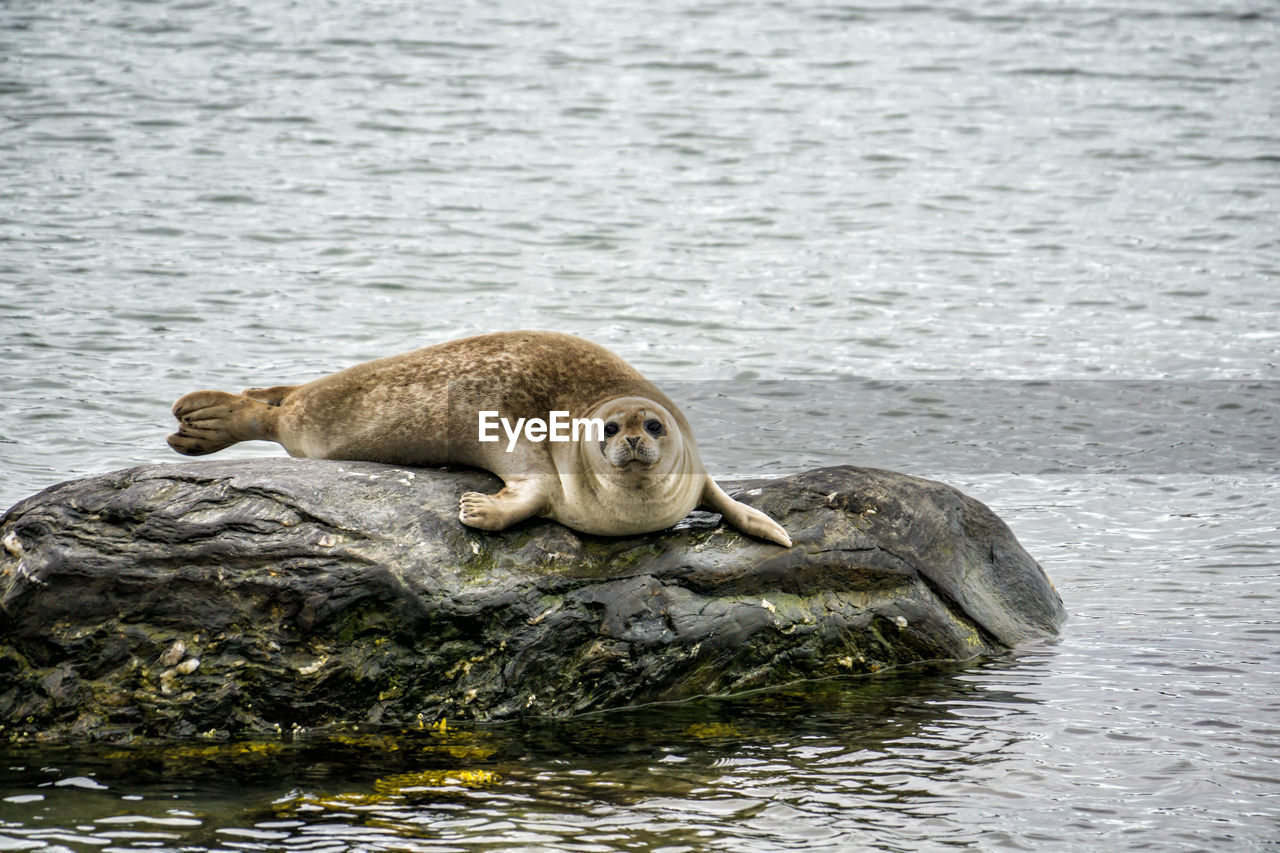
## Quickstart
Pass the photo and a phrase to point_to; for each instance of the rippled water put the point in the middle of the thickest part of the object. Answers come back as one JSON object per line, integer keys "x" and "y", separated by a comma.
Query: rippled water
{"x": 992, "y": 213}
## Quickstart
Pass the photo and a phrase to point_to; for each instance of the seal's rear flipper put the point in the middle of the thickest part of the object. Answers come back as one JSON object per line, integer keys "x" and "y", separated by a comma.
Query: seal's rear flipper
{"x": 212, "y": 420}
{"x": 272, "y": 396}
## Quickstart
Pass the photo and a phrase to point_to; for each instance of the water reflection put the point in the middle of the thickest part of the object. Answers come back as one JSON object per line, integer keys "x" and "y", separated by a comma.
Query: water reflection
{"x": 819, "y": 761}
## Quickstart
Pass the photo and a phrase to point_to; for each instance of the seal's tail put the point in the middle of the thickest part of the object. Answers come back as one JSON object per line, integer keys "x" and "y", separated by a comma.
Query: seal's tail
{"x": 211, "y": 420}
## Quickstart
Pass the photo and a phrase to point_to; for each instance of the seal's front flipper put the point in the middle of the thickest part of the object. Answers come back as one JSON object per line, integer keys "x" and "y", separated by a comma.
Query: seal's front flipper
{"x": 516, "y": 502}
{"x": 747, "y": 519}
{"x": 211, "y": 420}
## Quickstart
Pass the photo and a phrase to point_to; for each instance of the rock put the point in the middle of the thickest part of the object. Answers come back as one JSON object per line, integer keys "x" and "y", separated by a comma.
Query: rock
{"x": 255, "y": 596}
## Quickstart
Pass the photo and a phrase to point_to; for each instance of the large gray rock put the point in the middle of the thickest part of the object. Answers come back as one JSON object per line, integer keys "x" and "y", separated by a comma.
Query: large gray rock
{"x": 245, "y": 596}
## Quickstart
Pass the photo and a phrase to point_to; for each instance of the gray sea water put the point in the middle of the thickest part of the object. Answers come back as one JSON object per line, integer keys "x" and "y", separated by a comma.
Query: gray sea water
{"x": 1028, "y": 248}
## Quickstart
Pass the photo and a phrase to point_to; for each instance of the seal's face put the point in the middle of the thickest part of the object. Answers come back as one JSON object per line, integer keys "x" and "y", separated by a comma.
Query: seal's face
{"x": 644, "y": 475}
{"x": 639, "y": 435}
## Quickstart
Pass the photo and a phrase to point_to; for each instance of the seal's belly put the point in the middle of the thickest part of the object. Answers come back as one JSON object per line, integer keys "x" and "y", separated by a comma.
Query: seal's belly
{"x": 606, "y": 514}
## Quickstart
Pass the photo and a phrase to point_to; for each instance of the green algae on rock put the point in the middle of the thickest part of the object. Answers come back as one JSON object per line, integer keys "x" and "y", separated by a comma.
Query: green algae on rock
{"x": 211, "y": 598}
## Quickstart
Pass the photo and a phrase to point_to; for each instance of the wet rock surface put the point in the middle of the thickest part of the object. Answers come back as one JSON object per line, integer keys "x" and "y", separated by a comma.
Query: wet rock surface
{"x": 255, "y": 596}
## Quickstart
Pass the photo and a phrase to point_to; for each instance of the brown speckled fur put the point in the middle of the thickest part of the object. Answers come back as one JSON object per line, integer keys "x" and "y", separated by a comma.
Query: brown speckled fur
{"x": 420, "y": 408}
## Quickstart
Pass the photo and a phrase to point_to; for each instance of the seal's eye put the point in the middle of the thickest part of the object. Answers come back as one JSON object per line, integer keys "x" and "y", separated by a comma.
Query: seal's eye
{"x": 653, "y": 427}
{"x": 610, "y": 429}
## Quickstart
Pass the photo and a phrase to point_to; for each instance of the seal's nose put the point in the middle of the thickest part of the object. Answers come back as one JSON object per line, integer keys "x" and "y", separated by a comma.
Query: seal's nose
{"x": 633, "y": 440}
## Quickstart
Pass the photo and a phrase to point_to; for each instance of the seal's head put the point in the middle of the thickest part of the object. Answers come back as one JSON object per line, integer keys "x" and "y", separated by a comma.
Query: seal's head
{"x": 644, "y": 475}
{"x": 642, "y": 441}
{"x": 634, "y": 433}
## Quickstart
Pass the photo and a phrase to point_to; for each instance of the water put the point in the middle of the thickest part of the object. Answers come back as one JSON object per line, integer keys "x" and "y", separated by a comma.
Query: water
{"x": 1042, "y": 234}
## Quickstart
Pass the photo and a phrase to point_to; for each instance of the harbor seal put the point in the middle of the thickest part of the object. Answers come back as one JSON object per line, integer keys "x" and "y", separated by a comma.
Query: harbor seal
{"x": 639, "y": 472}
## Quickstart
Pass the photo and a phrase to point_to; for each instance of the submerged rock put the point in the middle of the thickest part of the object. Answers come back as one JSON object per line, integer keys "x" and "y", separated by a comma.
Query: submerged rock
{"x": 252, "y": 596}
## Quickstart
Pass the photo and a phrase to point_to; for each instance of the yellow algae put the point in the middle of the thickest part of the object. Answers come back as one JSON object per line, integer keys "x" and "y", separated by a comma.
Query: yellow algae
{"x": 210, "y": 752}
{"x": 440, "y": 725}
{"x": 214, "y": 751}
{"x": 410, "y": 782}
{"x": 391, "y": 790}
{"x": 461, "y": 745}
{"x": 465, "y": 752}
{"x": 382, "y": 743}
{"x": 713, "y": 730}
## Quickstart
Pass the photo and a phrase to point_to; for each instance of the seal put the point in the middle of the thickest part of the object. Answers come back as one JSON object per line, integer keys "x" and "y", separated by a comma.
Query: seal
{"x": 640, "y": 473}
